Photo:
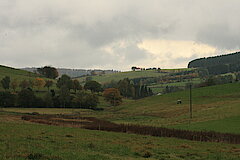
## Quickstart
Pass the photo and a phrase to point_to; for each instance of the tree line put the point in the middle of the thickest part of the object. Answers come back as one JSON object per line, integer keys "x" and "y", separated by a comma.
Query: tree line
{"x": 68, "y": 94}
{"x": 218, "y": 64}
{"x": 129, "y": 89}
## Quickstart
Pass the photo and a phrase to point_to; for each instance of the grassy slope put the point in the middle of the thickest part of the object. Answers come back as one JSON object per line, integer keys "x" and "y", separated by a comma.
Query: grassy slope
{"x": 209, "y": 103}
{"x": 229, "y": 125}
{"x": 215, "y": 108}
{"x": 18, "y": 74}
{"x": 141, "y": 74}
{"x": 15, "y": 73}
{"x": 158, "y": 88}
{"x": 132, "y": 74}
{"x": 21, "y": 140}
{"x": 121, "y": 75}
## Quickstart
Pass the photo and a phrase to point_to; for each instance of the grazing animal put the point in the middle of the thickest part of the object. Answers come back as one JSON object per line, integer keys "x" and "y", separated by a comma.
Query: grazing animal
{"x": 179, "y": 101}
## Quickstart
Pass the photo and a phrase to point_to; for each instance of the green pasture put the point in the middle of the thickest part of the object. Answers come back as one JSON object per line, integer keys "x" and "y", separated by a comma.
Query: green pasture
{"x": 215, "y": 108}
{"x": 209, "y": 103}
{"x": 226, "y": 125}
{"x": 15, "y": 73}
{"x": 20, "y": 75}
{"x": 132, "y": 74}
{"x": 121, "y": 75}
{"x": 158, "y": 88}
{"x": 21, "y": 140}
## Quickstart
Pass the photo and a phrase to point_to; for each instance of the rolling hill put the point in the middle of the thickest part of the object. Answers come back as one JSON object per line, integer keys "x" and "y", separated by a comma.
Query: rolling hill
{"x": 209, "y": 103}
{"x": 218, "y": 64}
{"x": 18, "y": 74}
{"x": 15, "y": 73}
{"x": 215, "y": 108}
{"x": 132, "y": 74}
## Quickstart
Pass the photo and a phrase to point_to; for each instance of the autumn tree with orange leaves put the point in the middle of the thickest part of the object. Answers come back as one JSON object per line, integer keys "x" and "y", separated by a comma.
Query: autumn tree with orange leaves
{"x": 39, "y": 83}
{"x": 112, "y": 95}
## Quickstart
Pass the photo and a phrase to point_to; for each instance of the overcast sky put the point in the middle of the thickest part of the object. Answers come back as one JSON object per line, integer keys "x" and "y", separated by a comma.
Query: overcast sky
{"x": 116, "y": 34}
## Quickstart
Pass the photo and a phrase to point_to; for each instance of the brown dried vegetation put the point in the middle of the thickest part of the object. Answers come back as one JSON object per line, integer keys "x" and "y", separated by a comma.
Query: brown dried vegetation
{"x": 98, "y": 124}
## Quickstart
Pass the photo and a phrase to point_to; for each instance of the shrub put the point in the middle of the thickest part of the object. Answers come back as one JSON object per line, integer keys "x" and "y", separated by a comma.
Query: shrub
{"x": 85, "y": 99}
{"x": 26, "y": 98}
{"x": 7, "y": 99}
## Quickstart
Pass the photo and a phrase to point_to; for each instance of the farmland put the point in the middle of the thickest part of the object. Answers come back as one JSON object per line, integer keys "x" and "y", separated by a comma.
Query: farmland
{"x": 18, "y": 75}
{"x": 22, "y": 140}
{"x": 209, "y": 103}
{"x": 15, "y": 73}
{"x": 215, "y": 108}
{"x": 133, "y": 74}
{"x": 121, "y": 75}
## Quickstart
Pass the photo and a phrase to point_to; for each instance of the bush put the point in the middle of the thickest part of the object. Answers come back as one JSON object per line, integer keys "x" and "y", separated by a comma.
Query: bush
{"x": 94, "y": 86}
{"x": 85, "y": 100}
{"x": 7, "y": 99}
{"x": 26, "y": 98}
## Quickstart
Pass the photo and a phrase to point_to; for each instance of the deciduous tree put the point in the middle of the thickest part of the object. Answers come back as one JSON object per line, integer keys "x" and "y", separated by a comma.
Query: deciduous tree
{"x": 48, "y": 84}
{"x": 26, "y": 98}
{"x": 39, "y": 83}
{"x": 76, "y": 85}
{"x": 64, "y": 96}
{"x": 6, "y": 82}
{"x": 48, "y": 71}
{"x": 94, "y": 86}
{"x": 24, "y": 84}
{"x": 113, "y": 96}
{"x": 84, "y": 99}
{"x": 64, "y": 80}
{"x": 14, "y": 84}
{"x": 7, "y": 99}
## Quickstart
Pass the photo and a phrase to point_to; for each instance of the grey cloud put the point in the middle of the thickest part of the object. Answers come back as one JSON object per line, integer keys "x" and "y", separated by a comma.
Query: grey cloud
{"x": 124, "y": 27}
{"x": 64, "y": 33}
{"x": 220, "y": 36}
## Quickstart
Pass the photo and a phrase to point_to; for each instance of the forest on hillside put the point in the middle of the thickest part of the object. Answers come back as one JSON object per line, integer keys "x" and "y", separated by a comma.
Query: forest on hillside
{"x": 218, "y": 64}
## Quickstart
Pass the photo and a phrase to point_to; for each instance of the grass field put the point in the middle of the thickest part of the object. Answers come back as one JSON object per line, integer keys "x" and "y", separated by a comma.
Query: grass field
{"x": 215, "y": 108}
{"x": 209, "y": 103}
{"x": 15, "y": 73}
{"x": 21, "y": 140}
{"x": 19, "y": 75}
{"x": 121, "y": 75}
{"x": 132, "y": 74}
{"x": 227, "y": 125}
{"x": 158, "y": 88}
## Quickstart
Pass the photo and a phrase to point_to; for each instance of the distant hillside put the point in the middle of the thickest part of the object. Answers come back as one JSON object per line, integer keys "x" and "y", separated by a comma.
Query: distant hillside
{"x": 218, "y": 64}
{"x": 75, "y": 72}
{"x": 15, "y": 73}
{"x": 133, "y": 75}
{"x": 209, "y": 103}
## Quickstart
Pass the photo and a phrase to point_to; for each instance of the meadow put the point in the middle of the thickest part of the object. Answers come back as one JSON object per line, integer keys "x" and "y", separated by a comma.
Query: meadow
{"x": 15, "y": 73}
{"x": 132, "y": 74}
{"x": 121, "y": 75}
{"x": 209, "y": 103}
{"x": 21, "y": 140}
{"x": 225, "y": 125}
{"x": 215, "y": 108}
{"x": 20, "y": 75}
